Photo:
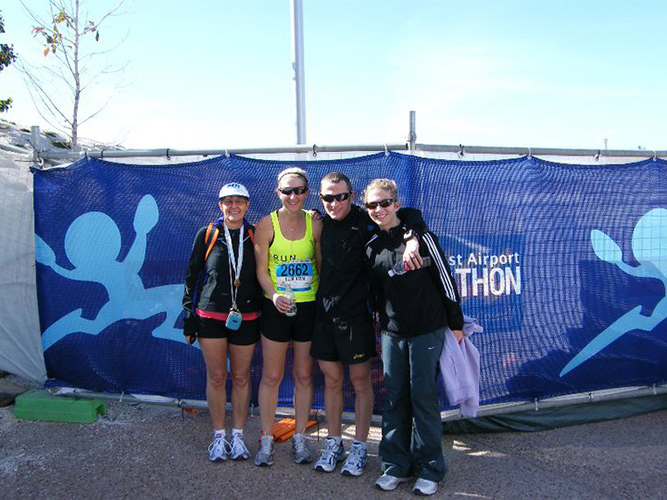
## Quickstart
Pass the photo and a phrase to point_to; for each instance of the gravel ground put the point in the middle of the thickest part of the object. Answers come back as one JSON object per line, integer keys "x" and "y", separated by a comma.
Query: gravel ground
{"x": 144, "y": 451}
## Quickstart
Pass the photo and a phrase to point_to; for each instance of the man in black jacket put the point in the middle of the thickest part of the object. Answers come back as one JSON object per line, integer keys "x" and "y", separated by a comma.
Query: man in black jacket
{"x": 344, "y": 333}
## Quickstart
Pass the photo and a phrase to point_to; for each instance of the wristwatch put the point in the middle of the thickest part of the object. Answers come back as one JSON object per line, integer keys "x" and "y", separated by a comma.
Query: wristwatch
{"x": 408, "y": 234}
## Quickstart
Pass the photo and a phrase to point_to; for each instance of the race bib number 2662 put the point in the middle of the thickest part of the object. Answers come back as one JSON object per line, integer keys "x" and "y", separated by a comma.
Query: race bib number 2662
{"x": 298, "y": 273}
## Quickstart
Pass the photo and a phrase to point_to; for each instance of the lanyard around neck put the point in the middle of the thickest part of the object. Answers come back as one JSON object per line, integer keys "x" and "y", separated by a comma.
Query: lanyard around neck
{"x": 234, "y": 265}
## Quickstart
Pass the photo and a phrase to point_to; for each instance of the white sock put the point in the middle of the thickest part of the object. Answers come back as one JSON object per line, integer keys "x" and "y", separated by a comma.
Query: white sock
{"x": 237, "y": 432}
{"x": 219, "y": 433}
{"x": 362, "y": 443}
{"x": 338, "y": 439}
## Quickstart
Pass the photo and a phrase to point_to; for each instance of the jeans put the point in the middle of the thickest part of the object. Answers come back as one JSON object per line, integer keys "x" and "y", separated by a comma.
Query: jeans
{"x": 411, "y": 424}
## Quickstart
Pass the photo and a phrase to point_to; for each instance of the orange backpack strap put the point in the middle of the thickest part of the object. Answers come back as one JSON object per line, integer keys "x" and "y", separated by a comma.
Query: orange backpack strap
{"x": 208, "y": 232}
{"x": 251, "y": 232}
{"x": 213, "y": 237}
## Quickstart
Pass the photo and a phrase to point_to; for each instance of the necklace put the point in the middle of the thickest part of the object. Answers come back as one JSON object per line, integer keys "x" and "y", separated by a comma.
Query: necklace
{"x": 234, "y": 265}
{"x": 291, "y": 225}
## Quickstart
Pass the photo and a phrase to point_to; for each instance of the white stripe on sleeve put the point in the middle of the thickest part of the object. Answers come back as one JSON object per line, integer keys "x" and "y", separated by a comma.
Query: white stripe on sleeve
{"x": 442, "y": 269}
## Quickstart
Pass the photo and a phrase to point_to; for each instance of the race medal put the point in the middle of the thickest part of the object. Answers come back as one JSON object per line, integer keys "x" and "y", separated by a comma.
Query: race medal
{"x": 234, "y": 319}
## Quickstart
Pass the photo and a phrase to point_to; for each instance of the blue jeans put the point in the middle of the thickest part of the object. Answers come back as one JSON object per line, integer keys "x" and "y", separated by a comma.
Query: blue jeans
{"x": 411, "y": 425}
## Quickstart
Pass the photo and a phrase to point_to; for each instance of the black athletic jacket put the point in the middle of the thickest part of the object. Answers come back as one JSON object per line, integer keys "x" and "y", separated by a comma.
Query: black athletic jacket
{"x": 207, "y": 281}
{"x": 416, "y": 302}
{"x": 343, "y": 292}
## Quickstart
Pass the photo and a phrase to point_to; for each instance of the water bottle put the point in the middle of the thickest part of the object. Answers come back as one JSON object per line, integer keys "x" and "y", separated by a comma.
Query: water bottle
{"x": 290, "y": 295}
{"x": 399, "y": 268}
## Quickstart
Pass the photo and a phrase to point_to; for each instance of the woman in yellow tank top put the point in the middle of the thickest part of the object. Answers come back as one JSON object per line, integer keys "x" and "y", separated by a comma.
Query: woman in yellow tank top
{"x": 287, "y": 253}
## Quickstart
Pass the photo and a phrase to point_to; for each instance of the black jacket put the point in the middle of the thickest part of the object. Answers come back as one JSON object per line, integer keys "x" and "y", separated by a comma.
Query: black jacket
{"x": 416, "y": 302}
{"x": 207, "y": 284}
{"x": 343, "y": 293}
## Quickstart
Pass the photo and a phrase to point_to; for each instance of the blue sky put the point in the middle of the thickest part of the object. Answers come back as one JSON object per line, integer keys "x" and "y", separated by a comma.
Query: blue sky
{"x": 559, "y": 73}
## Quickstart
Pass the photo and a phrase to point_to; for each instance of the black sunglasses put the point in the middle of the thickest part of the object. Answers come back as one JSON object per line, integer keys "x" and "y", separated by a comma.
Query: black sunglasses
{"x": 296, "y": 190}
{"x": 384, "y": 203}
{"x": 329, "y": 198}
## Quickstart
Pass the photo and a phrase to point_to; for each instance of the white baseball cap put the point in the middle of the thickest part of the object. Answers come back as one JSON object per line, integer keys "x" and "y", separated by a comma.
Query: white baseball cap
{"x": 234, "y": 189}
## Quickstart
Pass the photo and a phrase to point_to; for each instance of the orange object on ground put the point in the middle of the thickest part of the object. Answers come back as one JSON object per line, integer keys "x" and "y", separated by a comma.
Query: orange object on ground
{"x": 191, "y": 410}
{"x": 285, "y": 428}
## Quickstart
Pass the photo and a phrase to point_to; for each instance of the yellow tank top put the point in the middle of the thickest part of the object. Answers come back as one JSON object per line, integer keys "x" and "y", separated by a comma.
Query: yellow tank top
{"x": 293, "y": 262}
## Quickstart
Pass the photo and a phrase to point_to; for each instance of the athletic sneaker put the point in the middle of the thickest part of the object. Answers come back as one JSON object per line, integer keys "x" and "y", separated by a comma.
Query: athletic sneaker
{"x": 332, "y": 454}
{"x": 238, "y": 448}
{"x": 265, "y": 453}
{"x": 218, "y": 449}
{"x": 388, "y": 483}
{"x": 425, "y": 487}
{"x": 356, "y": 459}
{"x": 302, "y": 455}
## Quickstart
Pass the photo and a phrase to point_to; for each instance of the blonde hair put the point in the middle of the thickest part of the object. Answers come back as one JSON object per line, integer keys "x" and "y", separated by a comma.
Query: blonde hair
{"x": 384, "y": 184}
{"x": 299, "y": 172}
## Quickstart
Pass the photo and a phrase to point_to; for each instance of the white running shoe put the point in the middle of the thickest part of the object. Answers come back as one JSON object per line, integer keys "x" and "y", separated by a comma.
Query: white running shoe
{"x": 302, "y": 455}
{"x": 239, "y": 451}
{"x": 389, "y": 483}
{"x": 356, "y": 460}
{"x": 425, "y": 487}
{"x": 332, "y": 454}
{"x": 265, "y": 453}
{"x": 218, "y": 449}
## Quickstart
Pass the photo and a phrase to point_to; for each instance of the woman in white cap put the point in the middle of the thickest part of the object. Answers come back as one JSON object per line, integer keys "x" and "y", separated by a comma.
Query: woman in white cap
{"x": 222, "y": 301}
{"x": 287, "y": 254}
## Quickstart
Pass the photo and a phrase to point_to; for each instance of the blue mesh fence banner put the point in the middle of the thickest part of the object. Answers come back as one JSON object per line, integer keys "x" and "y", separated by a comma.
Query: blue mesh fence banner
{"x": 565, "y": 267}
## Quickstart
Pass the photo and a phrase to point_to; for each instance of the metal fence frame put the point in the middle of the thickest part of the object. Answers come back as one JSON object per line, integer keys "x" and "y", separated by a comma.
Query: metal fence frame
{"x": 40, "y": 157}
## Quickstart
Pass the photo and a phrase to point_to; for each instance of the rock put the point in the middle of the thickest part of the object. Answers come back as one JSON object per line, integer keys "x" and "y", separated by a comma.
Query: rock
{"x": 9, "y": 391}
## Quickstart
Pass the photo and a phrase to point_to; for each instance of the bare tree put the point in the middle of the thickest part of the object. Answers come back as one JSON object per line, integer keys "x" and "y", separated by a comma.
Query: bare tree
{"x": 57, "y": 87}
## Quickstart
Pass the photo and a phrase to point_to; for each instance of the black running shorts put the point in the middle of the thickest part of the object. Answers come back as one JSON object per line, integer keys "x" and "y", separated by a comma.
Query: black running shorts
{"x": 247, "y": 334}
{"x": 280, "y": 328}
{"x": 349, "y": 343}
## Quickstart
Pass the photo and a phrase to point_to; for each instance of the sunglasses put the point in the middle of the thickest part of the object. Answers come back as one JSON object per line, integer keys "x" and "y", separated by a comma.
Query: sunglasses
{"x": 329, "y": 198}
{"x": 384, "y": 204}
{"x": 229, "y": 202}
{"x": 298, "y": 190}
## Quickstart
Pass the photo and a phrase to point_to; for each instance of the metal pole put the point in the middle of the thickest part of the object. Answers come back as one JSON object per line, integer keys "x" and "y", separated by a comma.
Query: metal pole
{"x": 440, "y": 148}
{"x": 484, "y": 411}
{"x": 156, "y": 153}
{"x": 412, "y": 136}
{"x": 297, "y": 64}
{"x": 14, "y": 149}
{"x": 500, "y": 150}
{"x": 36, "y": 140}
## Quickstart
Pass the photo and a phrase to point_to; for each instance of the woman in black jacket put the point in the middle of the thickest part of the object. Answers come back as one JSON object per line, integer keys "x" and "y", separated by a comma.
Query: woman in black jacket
{"x": 222, "y": 301}
{"x": 416, "y": 307}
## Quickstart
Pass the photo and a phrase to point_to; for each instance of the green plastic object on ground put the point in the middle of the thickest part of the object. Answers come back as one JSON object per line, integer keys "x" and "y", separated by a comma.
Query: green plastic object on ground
{"x": 42, "y": 405}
